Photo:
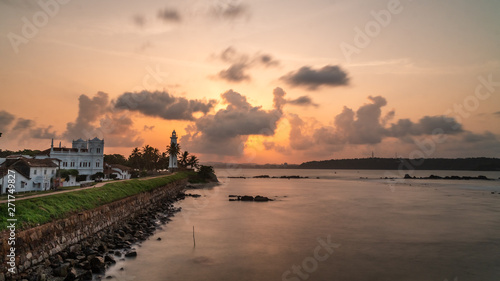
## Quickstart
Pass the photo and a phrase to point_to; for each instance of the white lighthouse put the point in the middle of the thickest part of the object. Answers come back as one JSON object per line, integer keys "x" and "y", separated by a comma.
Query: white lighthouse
{"x": 172, "y": 159}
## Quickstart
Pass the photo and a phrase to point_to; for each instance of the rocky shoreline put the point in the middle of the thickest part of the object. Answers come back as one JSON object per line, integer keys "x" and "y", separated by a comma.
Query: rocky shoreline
{"x": 89, "y": 259}
{"x": 269, "y": 177}
{"x": 434, "y": 177}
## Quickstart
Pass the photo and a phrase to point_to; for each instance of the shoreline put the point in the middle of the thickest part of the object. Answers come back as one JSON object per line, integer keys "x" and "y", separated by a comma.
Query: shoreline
{"x": 90, "y": 258}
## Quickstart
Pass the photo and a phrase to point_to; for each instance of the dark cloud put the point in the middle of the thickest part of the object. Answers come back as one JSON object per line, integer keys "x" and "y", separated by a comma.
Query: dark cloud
{"x": 98, "y": 118}
{"x": 474, "y": 138}
{"x": 169, "y": 15}
{"x": 139, "y": 20}
{"x": 241, "y": 63}
{"x": 302, "y": 101}
{"x": 427, "y": 125}
{"x": 235, "y": 73}
{"x": 163, "y": 105}
{"x": 225, "y": 132}
{"x": 5, "y": 120}
{"x": 330, "y": 75}
{"x": 27, "y": 128}
{"x": 43, "y": 133}
{"x": 23, "y": 124}
{"x": 230, "y": 10}
{"x": 497, "y": 113}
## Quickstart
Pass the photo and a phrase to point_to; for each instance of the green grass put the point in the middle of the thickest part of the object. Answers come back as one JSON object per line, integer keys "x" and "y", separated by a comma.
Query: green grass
{"x": 34, "y": 211}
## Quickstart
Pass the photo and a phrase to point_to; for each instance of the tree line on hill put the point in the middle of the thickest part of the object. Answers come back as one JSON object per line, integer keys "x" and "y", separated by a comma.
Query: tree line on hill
{"x": 461, "y": 164}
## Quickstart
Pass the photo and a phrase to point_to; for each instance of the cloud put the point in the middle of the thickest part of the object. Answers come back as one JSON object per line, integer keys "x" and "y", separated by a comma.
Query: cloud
{"x": 497, "y": 114}
{"x": 225, "y": 132}
{"x": 470, "y": 137}
{"x": 302, "y": 101}
{"x": 148, "y": 128}
{"x": 23, "y": 124}
{"x": 235, "y": 73}
{"x": 89, "y": 111}
{"x": 330, "y": 75}
{"x": 368, "y": 126}
{"x": 427, "y": 125}
{"x": 241, "y": 63}
{"x": 5, "y": 120}
{"x": 98, "y": 118}
{"x": 169, "y": 15}
{"x": 163, "y": 105}
{"x": 26, "y": 129}
{"x": 229, "y": 10}
{"x": 139, "y": 20}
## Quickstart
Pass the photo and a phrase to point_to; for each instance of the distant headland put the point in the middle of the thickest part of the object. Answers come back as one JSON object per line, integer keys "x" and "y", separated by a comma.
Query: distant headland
{"x": 374, "y": 163}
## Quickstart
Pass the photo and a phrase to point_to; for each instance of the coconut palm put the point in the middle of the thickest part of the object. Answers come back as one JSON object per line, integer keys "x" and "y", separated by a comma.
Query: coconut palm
{"x": 193, "y": 161}
{"x": 183, "y": 160}
{"x": 174, "y": 149}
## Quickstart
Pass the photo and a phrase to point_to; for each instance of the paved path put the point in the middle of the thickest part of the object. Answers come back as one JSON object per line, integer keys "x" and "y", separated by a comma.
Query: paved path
{"x": 77, "y": 189}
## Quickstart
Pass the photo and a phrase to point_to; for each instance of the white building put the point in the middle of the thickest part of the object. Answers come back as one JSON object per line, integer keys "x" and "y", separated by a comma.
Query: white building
{"x": 120, "y": 171}
{"x": 28, "y": 174}
{"x": 85, "y": 156}
{"x": 172, "y": 159}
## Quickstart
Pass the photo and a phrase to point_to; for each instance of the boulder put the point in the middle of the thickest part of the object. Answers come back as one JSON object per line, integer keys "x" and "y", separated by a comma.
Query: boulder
{"x": 71, "y": 275}
{"x": 131, "y": 254}
{"x": 86, "y": 276}
{"x": 62, "y": 270}
{"x": 97, "y": 265}
{"x": 259, "y": 198}
{"x": 246, "y": 198}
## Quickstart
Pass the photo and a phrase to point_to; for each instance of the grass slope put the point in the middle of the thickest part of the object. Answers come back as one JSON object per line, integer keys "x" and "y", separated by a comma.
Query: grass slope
{"x": 30, "y": 212}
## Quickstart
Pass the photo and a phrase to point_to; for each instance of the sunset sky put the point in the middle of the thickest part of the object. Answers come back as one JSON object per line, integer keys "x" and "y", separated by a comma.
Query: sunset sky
{"x": 254, "y": 81}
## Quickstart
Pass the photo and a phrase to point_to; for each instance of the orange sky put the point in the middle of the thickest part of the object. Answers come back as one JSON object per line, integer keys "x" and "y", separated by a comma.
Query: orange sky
{"x": 254, "y": 81}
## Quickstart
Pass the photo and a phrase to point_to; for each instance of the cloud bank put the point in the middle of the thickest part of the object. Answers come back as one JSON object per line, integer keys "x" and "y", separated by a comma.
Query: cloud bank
{"x": 226, "y": 131}
{"x": 163, "y": 105}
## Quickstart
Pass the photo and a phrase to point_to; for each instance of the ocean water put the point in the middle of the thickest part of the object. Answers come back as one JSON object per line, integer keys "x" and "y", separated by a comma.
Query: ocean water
{"x": 335, "y": 225}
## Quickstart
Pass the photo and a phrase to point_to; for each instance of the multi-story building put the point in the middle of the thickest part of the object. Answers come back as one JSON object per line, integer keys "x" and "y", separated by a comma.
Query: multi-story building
{"x": 85, "y": 156}
{"x": 27, "y": 174}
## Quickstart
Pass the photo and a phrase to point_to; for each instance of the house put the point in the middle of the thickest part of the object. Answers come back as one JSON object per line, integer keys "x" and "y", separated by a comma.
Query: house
{"x": 120, "y": 172}
{"x": 85, "y": 156}
{"x": 30, "y": 174}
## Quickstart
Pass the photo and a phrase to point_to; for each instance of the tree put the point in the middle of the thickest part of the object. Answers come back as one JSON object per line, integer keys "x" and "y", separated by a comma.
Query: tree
{"x": 115, "y": 159}
{"x": 193, "y": 161}
{"x": 66, "y": 173}
{"x": 162, "y": 162}
{"x": 135, "y": 159}
{"x": 150, "y": 156}
{"x": 174, "y": 149}
{"x": 183, "y": 160}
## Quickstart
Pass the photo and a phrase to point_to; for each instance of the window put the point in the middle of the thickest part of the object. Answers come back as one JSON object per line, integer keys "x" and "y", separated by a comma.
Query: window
{"x": 34, "y": 171}
{"x": 97, "y": 164}
{"x": 45, "y": 171}
{"x": 91, "y": 150}
{"x": 53, "y": 171}
{"x": 72, "y": 164}
{"x": 98, "y": 150}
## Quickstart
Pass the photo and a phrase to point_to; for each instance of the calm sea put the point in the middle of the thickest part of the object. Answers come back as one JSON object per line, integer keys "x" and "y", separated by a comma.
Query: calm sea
{"x": 335, "y": 225}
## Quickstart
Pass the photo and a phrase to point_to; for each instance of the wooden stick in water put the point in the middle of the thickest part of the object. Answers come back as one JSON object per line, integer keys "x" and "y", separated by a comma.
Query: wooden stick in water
{"x": 194, "y": 241}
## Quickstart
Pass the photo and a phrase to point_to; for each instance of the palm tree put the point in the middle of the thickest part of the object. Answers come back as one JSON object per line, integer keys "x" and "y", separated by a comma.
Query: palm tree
{"x": 183, "y": 161}
{"x": 135, "y": 159}
{"x": 174, "y": 149}
{"x": 193, "y": 161}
